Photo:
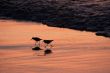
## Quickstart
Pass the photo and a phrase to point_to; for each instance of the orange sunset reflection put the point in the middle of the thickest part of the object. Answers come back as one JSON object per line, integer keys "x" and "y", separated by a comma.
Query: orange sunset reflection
{"x": 73, "y": 51}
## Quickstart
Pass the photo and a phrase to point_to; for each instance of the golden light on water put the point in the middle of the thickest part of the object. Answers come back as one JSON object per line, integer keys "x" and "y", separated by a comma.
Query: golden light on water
{"x": 73, "y": 52}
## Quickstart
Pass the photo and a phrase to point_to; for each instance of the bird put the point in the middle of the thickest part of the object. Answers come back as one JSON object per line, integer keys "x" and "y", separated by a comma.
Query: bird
{"x": 37, "y": 39}
{"x": 47, "y": 42}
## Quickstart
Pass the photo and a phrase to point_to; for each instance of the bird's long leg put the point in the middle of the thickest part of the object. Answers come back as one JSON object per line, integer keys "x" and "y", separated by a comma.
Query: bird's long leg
{"x": 35, "y": 43}
{"x": 51, "y": 45}
{"x": 46, "y": 46}
{"x": 39, "y": 44}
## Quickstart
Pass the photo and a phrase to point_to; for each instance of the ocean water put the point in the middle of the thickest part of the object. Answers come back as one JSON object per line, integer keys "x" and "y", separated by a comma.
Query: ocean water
{"x": 73, "y": 51}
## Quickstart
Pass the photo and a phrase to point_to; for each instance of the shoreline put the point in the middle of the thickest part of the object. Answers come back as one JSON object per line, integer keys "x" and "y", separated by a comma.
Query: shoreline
{"x": 80, "y": 15}
{"x": 76, "y": 27}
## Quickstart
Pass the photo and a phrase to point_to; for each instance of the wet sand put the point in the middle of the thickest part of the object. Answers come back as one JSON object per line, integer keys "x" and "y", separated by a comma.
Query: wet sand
{"x": 73, "y": 51}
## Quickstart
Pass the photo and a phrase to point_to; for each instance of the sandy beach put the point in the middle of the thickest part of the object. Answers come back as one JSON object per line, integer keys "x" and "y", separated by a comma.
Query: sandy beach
{"x": 73, "y": 51}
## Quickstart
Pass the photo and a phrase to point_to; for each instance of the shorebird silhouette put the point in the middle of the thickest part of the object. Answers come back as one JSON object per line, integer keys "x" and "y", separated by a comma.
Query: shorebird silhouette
{"x": 37, "y": 39}
{"x": 37, "y": 43}
{"x": 48, "y": 50}
{"x": 47, "y": 42}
